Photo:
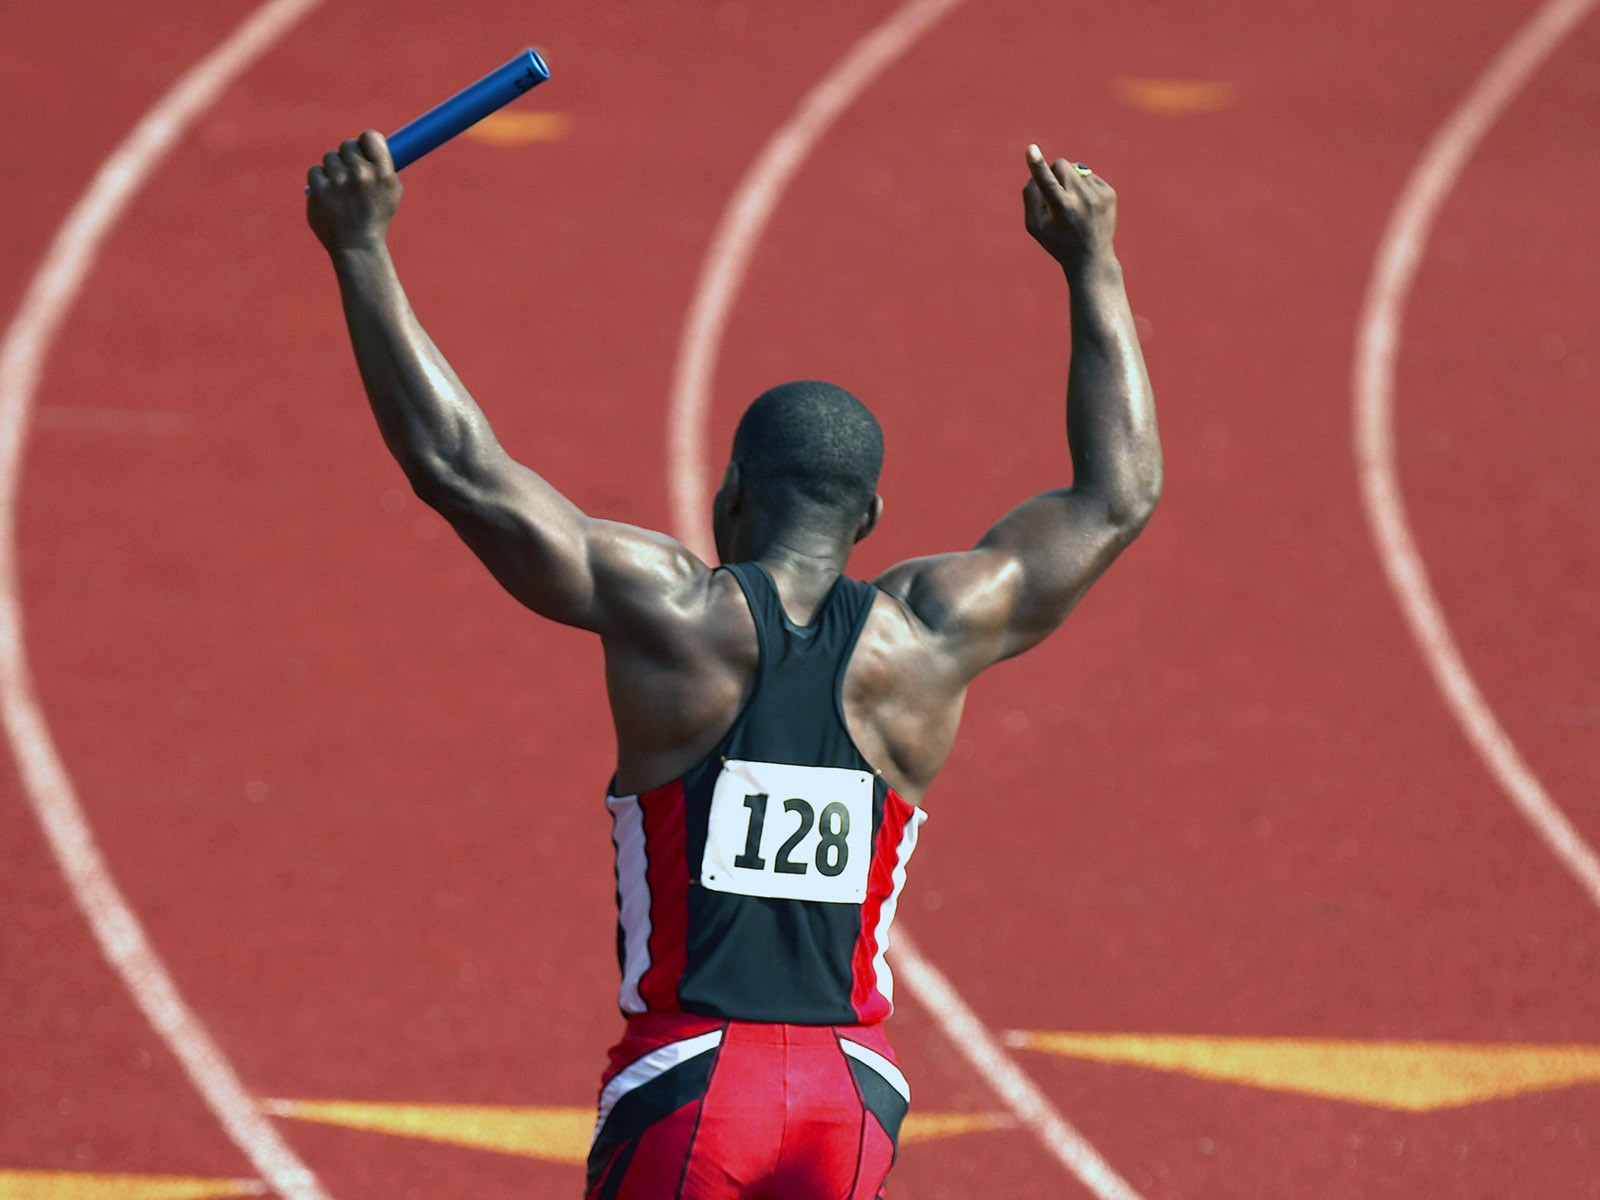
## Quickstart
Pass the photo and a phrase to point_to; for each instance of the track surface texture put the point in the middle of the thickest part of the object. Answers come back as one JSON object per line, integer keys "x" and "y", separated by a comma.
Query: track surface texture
{"x": 353, "y": 793}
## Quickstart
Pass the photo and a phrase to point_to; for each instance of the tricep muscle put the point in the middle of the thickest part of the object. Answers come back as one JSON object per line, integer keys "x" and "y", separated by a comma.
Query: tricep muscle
{"x": 1020, "y": 581}
{"x": 603, "y": 576}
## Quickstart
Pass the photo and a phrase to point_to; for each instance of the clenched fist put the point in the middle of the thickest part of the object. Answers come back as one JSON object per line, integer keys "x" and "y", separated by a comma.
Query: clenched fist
{"x": 353, "y": 193}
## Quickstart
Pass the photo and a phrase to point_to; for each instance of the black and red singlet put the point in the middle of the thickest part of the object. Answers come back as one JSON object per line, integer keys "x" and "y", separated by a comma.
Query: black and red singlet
{"x": 760, "y": 886}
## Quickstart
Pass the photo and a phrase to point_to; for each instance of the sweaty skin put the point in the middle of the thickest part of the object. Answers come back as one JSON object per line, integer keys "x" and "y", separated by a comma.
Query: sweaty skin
{"x": 680, "y": 644}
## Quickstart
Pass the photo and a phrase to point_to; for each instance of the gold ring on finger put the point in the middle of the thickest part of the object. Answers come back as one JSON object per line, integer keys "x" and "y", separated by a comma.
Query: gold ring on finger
{"x": 1083, "y": 168}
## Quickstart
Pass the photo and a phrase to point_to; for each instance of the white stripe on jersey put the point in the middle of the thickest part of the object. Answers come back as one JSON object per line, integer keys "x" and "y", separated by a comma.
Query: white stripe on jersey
{"x": 633, "y": 892}
{"x": 883, "y": 977}
{"x": 657, "y": 1062}
{"x": 879, "y": 1064}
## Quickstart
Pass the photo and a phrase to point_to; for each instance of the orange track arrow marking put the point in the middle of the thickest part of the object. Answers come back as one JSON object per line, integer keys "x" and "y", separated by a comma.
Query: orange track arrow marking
{"x": 509, "y": 128}
{"x": 1413, "y": 1076}
{"x": 1174, "y": 97}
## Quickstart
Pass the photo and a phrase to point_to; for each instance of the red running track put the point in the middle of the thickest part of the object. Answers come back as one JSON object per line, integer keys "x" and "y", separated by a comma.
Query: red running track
{"x": 354, "y": 793}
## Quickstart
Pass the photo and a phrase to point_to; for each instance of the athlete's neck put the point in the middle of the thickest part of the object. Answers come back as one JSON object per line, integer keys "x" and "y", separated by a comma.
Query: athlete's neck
{"x": 803, "y": 565}
{"x": 789, "y": 548}
{"x": 821, "y": 562}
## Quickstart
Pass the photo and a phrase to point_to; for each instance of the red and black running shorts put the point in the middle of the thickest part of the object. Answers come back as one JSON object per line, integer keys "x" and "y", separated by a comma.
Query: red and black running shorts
{"x": 697, "y": 1108}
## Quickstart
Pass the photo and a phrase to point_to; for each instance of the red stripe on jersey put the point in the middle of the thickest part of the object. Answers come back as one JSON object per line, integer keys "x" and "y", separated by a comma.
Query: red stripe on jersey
{"x": 667, "y": 870}
{"x": 869, "y": 1003}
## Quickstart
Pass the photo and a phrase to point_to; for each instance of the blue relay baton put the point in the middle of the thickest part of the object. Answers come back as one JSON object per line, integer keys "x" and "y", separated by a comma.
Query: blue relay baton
{"x": 466, "y": 108}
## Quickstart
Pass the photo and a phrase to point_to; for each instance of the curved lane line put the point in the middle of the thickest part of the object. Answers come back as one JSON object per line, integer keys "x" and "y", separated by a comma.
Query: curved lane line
{"x": 1399, "y": 257}
{"x": 732, "y": 247}
{"x": 44, "y": 307}
{"x": 977, "y": 1044}
{"x": 743, "y": 223}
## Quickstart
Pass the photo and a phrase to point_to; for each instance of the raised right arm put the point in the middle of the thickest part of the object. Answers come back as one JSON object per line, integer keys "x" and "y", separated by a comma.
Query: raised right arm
{"x": 614, "y": 579}
{"x": 1033, "y": 566}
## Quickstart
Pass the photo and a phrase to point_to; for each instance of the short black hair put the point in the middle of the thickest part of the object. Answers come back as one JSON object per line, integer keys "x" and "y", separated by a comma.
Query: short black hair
{"x": 809, "y": 444}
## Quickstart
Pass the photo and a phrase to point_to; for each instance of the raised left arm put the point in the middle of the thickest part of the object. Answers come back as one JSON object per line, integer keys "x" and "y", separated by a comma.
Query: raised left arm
{"x": 1035, "y": 563}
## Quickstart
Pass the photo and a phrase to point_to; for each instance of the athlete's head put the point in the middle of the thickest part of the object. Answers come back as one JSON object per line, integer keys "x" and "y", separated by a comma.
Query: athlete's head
{"x": 806, "y": 456}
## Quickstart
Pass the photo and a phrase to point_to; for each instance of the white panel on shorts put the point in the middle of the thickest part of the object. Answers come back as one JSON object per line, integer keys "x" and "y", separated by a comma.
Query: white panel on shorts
{"x": 879, "y": 1064}
{"x": 789, "y": 832}
{"x": 657, "y": 1062}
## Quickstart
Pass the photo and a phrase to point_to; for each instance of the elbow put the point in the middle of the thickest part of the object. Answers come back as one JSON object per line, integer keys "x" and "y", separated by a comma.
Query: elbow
{"x": 428, "y": 488}
{"x": 1131, "y": 516}
{"x": 439, "y": 484}
{"x": 1131, "y": 507}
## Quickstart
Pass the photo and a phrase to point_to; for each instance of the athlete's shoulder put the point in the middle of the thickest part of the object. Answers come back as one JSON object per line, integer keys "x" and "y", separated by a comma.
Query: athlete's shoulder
{"x": 667, "y": 598}
{"x": 643, "y": 562}
{"x": 945, "y": 593}
{"x": 897, "y": 653}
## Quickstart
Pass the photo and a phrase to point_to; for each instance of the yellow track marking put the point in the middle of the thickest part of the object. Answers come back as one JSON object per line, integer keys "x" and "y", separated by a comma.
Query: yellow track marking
{"x": 78, "y": 1185}
{"x": 928, "y": 1127}
{"x": 1175, "y": 97}
{"x": 1413, "y": 1076}
{"x": 507, "y": 128}
{"x": 556, "y": 1134}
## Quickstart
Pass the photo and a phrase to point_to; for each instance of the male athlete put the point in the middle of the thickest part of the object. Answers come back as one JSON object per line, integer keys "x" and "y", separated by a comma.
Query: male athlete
{"x": 777, "y": 722}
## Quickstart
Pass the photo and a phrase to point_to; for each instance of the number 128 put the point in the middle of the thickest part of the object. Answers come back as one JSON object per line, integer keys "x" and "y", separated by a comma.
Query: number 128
{"x": 833, "y": 851}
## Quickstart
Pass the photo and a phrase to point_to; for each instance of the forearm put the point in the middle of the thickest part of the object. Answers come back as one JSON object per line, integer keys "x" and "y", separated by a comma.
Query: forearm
{"x": 1111, "y": 417}
{"x": 428, "y": 420}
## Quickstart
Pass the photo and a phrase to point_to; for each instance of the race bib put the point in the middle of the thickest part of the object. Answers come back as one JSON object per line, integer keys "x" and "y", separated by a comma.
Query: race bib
{"x": 792, "y": 833}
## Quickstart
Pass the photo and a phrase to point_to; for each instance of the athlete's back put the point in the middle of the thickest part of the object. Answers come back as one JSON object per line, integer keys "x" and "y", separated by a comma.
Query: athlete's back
{"x": 761, "y": 882}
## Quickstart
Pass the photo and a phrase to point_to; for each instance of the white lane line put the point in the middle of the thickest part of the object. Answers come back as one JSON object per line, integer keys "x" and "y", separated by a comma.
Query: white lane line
{"x": 742, "y": 225}
{"x": 49, "y": 297}
{"x": 1399, "y": 256}
{"x": 743, "y": 222}
{"x": 978, "y": 1045}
